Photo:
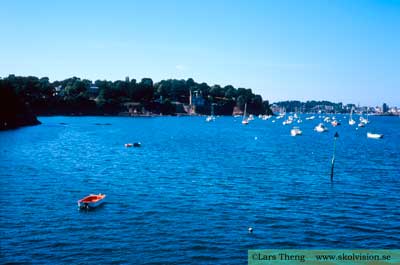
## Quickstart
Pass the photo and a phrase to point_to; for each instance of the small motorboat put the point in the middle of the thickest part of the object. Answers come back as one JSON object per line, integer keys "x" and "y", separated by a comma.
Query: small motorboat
{"x": 335, "y": 123}
{"x": 320, "y": 128}
{"x": 287, "y": 122}
{"x": 128, "y": 145}
{"x": 210, "y": 118}
{"x": 361, "y": 124}
{"x": 374, "y": 135}
{"x": 137, "y": 144}
{"x": 295, "y": 131}
{"x": 91, "y": 201}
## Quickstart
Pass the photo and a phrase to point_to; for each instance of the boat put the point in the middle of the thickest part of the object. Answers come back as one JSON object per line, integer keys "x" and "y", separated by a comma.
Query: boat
{"x": 361, "y": 124}
{"x": 295, "y": 131}
{"x": 374, "y": 135}
{"x": 364, "y": 120}
{"x": 265, "y": 117}
{"x": 335, "y": 123}
{"x": 91, "y": 201}
{"x": 351, "y": 121}
{"x": 288, "y": 121}
{"x": 211, "y": 117}
{"x": 310, "y": 118}
{"x": 128, "y": 145}
{"x": 245, "y": 121}
{"x": 137, "y": 144}
{"x": 320, "y": 128}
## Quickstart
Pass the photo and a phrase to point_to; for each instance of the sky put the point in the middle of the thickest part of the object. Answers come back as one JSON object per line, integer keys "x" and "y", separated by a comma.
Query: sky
{"x": 339, "y": 50}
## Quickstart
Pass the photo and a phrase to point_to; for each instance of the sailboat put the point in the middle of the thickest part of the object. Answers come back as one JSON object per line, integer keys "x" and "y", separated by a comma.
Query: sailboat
{"x": 211, "y": 117}
{"x": 245, "y": 121}
{"x": 351, "y": 121}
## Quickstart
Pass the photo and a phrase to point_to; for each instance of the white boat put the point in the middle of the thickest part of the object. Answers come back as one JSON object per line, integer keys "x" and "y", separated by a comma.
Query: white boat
{"x": 310, "y": 118}
{"x": 295, "y": 131}
{"x": 251, "y": 117}
{"x": 374, "y": 135}
{"x": 265, "y": 117}
{"x": 364, "y": 120}
{"x": 211, "y": 117}
{"x": 351, "y": 121}
{"x": 286, "y": 122}
{"x": 245, "y": 121}
{"x": 361, "y": 124}
{"x": 320, "y": 128}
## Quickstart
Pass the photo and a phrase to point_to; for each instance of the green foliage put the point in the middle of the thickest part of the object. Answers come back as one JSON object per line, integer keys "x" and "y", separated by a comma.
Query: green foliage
{"x": 74, "y": 95}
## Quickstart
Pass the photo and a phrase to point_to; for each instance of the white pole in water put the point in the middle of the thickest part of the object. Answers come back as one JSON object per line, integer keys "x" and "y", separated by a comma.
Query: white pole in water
{"x": 334, "y": 151}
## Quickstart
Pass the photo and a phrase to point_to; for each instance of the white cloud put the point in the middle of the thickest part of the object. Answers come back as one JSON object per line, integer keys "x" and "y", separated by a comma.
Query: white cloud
{"x": 180, "y": 67}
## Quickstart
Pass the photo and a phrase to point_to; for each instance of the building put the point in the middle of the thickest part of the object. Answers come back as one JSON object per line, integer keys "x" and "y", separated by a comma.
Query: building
{"x": 385, "y": 108}
{"x": 93, "y": 91}
{"x": 197, "y": 99}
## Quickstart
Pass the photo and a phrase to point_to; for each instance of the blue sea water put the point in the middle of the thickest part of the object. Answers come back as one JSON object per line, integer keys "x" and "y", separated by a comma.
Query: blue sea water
{"x": 189, "y": 194}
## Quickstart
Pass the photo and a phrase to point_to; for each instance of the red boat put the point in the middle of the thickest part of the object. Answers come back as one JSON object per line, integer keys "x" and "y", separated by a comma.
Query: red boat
{"x": 91, "y": 201}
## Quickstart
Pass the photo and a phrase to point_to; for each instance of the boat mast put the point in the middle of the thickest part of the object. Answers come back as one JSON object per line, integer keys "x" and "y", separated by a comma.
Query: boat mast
{"x": 351, "y": 113}
{"x": 244, "y": 113}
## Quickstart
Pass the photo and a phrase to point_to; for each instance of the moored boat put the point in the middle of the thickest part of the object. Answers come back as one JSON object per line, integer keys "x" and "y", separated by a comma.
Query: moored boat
{"x": 351, "y": 121}
{"x": 295, "y": 131}
{"x": 210, "y": 118}
{"x": 335, "y": 123}
{"x": 91, "y": 201}
{"x": 320, "y": 128}
{"x": 374, "y": 135}
{"x": 245, "y": 120}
